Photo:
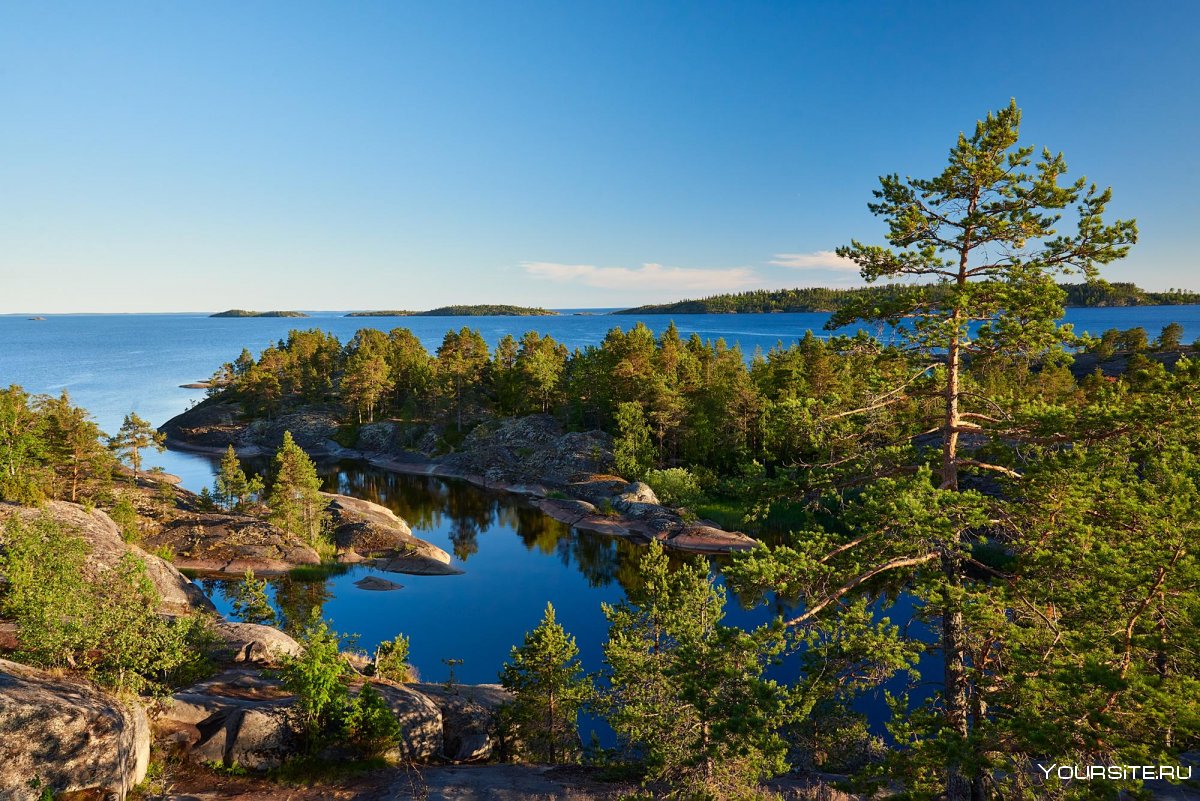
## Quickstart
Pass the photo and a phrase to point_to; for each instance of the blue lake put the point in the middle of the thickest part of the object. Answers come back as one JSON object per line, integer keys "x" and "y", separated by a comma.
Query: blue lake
{"x": 515, "y": 559}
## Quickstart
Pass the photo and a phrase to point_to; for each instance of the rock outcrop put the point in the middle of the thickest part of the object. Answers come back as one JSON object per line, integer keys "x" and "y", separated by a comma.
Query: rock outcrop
{"x": 68, "y": 736}
{"x": 244, "y": 717}
{"x": 370, "y": 533}
{"x": 106, "y": 548}
{"x": 254, "y": 643}
{"x": 240, "y": 716}
{"x": 214, "y": 424}
{"x": 531, "y": 451}
{"x": 468, "y": 718}
{"x": 216, "y": 542}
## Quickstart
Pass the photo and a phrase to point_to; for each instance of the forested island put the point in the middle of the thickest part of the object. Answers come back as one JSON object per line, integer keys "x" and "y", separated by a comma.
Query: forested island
{"x": 478, "y": 310}
{"x": 829, "y": 300}
{"x": 247, "y": 313}
{"x": 986, "y": 491}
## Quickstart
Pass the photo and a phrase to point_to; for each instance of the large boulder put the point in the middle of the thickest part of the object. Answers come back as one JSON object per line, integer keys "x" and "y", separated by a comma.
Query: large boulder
{"x": 368, "y": 532}
{"x": 216, "y": 542}
{"x": 256, "y": 644}
{"x": 239, "y": 717}
{"x": 67, "y": 735}
{"x": 635, "y": 493}
{"x": 243, "y": 717}
{"x": 420, "y": 720}
{"x": 469, "y": 732}
{"x": 702, "y": 538}
{"x": 106, "y": 548}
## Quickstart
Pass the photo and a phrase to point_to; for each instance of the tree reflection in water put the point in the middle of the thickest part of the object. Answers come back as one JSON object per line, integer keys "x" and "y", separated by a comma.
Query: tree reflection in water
{"x": 464, "y": 513}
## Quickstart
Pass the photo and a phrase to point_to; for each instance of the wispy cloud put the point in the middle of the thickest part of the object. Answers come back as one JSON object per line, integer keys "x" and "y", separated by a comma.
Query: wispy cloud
{"x": 817, "y": 260}
{"x": 648, "y": 277}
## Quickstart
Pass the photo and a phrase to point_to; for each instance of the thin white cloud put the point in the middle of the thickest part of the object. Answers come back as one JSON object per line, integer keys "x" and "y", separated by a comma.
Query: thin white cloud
{"x": 647, "y": 277}
{"x": 818, "y": 260}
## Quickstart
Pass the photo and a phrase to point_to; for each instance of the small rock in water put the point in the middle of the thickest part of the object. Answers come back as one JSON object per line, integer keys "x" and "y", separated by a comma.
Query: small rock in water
{"x": 377, "y": 584}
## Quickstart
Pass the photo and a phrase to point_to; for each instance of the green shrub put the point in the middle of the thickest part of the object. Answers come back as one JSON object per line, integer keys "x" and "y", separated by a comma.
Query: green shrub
{"x": 107, "y": 627}
{"x": 318, "y": 680}
{"x": 250, "y": 602}
{"x": 391, "y": 660}
{"x": 370, "y": 723}
{"x": 675, "y": 486}
{"x": 126, "y": 517}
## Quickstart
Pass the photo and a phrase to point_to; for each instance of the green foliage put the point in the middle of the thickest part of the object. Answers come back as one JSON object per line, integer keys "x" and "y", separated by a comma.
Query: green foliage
{"x": 370, "y": 724}
{"x": 205, "y": 500}
{"x": 24, "y": 477}
{"x": 318, "y": 680}
{"x": 687, "y": 692}
{"x": 1171, "y": 337}
{"x": 125, "y": 515}
{"x": 391, "y": 660}
{"x": 135, "y": 436}
{"x": 462, "y": 358}
{"x": 297, "y": 505}
{"x": 675, "y": 486}
{"x": 106, "y": 625}
{"x": 81, "y": 464}
{"x": 632, "y": 448}
{"x": 234, "y": 490}
{"x": 549, "y": 689}
{"x": 250, "y": 602}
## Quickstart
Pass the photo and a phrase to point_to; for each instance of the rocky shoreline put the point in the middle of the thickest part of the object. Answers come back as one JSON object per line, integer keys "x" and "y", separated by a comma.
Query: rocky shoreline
{"x": 566, "y": 475}
{"x": 74, "y": 736}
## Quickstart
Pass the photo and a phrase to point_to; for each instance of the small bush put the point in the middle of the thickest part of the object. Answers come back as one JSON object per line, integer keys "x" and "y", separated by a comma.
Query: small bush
{"x": 250, "y": 602}
{"x": 391, "y": 660}
{"x": 370, "y": 724}
{"x": 675, "y": 486}
{"x": 318, "y": 679}
{"x": 126, "y": 517}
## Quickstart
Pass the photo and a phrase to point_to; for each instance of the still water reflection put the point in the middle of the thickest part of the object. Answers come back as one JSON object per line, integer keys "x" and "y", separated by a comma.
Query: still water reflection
{"x": 515, "y": 559}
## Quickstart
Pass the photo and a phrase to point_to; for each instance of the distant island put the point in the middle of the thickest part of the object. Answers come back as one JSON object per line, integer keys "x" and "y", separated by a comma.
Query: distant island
{"x": 245, "y": 313}
{"x": 483, "y": 310}
{"x": 825, "y": 299}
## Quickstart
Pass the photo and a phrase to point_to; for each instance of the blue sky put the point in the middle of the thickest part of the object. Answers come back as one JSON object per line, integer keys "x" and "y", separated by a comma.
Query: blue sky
{"x": 196, "y": 156}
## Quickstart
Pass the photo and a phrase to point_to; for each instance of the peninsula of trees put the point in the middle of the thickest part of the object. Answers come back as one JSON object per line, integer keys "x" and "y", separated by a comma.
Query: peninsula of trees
{"x": 246, "y": 313}
{"x": 829, "y": 300}
{"x": 481, "y": 310}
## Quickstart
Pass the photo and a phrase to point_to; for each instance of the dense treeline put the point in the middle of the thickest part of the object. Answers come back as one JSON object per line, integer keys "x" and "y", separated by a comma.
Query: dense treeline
{"x": 670, "y": 401}
{"x": 825, "y": 299}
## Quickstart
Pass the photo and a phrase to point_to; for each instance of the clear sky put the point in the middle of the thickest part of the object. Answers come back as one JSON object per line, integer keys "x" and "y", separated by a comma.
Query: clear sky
{"x": 174, "y": 156}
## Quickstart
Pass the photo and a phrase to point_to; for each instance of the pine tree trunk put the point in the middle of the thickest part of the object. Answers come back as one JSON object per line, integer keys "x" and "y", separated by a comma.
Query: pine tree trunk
{"x": 958, "y": 786}
{"x": 951, "y": 421}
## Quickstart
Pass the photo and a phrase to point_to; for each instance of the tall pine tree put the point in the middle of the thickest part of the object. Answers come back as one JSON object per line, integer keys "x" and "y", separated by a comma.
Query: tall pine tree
{"x": 297, "y": 505}
{"x": 549, "y": 688}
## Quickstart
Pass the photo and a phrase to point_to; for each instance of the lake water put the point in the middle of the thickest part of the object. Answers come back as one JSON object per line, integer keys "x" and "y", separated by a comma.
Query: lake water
{"x": 515, "y": 559}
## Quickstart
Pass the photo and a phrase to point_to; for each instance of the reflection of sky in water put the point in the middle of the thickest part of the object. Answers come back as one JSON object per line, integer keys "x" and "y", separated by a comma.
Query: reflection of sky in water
{"x": 516, "y": 559}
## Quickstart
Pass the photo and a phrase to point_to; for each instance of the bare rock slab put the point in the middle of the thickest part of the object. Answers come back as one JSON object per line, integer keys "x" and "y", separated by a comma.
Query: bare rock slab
{"x": 69, "y": 734}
